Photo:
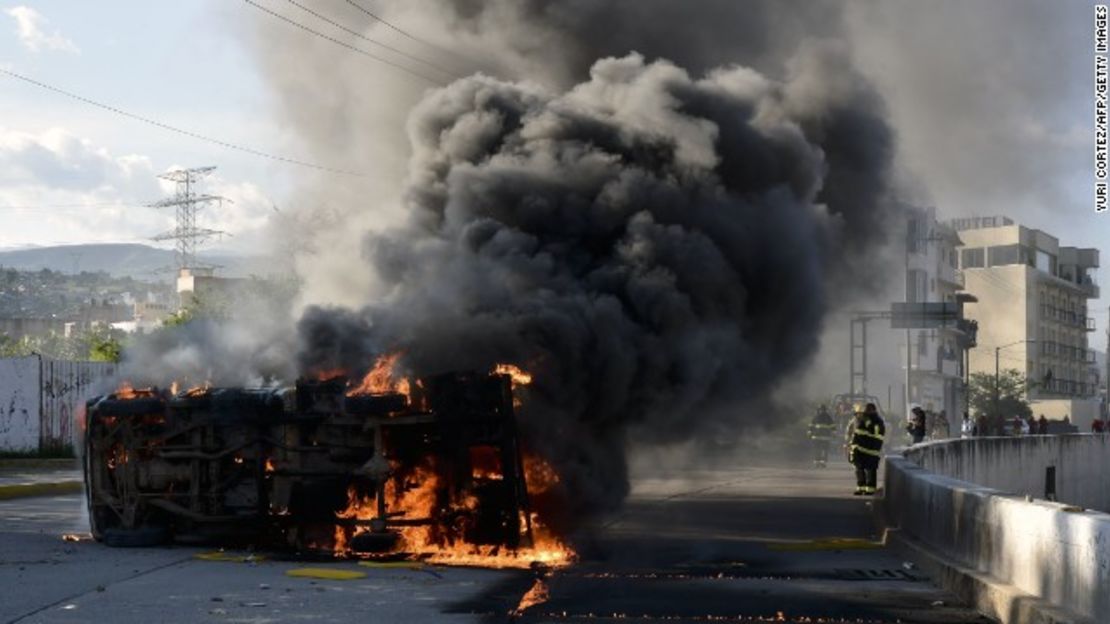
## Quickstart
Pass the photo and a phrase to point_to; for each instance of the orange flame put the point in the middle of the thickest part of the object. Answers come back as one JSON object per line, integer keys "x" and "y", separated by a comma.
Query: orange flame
{"x": 429, "y": 543}
{"x": 126, "y": 391}
{"x": 538, "y": 594}
{"x": 519, "y": 376}
{"x": 381, "y": 380}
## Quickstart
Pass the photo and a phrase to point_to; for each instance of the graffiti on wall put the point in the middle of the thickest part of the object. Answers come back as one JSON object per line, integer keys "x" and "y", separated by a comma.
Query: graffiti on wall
{"x": 42, "y": 400}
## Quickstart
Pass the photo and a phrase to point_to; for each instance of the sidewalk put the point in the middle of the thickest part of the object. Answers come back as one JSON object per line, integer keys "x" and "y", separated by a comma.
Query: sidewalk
{"x": 38, "y": 477}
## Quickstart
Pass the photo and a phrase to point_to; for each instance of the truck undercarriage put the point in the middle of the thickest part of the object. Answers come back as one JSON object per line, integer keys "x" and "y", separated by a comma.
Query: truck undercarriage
{"x": 313, "y": 468}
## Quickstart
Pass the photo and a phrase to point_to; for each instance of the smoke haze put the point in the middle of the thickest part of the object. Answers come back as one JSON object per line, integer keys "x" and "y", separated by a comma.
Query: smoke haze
{"x": 653, "y": 209}
{"x": 652, "y": 244}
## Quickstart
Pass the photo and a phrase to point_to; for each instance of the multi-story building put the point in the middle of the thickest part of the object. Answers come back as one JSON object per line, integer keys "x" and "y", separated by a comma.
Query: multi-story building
{"x": 1032, "y": 304}
{"x": 201, "y": 285}
{"x": 936, "y": 356}
{"x": 1097, "y": 376}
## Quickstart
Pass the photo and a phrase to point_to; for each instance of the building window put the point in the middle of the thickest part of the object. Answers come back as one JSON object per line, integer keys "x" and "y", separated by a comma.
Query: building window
{"x": 972, "y": 258}
{"x": 1003, "y": 255}
{"x": 916, "y": 282}
{"x": 1046, "y": 262}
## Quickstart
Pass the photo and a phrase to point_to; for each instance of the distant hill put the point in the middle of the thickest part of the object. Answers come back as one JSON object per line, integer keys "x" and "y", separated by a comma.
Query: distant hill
{"x": 141, "y": 262}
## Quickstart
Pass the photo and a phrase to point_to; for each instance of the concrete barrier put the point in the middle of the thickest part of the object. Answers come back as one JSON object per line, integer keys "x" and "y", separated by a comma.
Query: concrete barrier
{"x": 1015, "y": 558}
{"x": 1077, "y": 466}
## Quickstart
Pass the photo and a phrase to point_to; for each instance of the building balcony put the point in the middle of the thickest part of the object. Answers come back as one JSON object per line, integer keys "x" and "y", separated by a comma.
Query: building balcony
{"x": 1066, "y": 352}
{"x": 1067, "y": 317}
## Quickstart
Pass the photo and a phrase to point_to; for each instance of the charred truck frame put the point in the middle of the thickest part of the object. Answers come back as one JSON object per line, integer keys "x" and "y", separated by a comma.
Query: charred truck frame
{"x": 280, "y": 467}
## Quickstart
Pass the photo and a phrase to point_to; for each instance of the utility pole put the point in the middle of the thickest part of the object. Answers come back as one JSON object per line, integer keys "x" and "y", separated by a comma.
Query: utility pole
{"x": 186, "y": 203}
{"x": 997, "y": 378}
{"x": 997, "y": 390}
{"x": 910, "y": 241}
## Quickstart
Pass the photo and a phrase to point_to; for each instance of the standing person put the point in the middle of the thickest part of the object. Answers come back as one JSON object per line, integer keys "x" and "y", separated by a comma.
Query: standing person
{"x": 982, "y": 425}
{"x": 821, "y": 431}
{"x": 866, "y": 448}
{"x": 1096, "y": 426}
{"x": 1042, "y": 425}
{"x": 942, "y": 429}
{"x": 967, "y": 427}
{"x": 917, "y": 424}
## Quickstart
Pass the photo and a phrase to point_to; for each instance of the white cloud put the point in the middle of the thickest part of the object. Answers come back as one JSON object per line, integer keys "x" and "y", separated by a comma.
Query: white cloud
{"x": 56, "y": 187}
{"x": 30, "y": 28}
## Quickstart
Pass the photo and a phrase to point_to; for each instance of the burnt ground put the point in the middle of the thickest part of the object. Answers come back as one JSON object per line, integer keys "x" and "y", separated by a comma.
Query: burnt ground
{"x": 737, "y": 544}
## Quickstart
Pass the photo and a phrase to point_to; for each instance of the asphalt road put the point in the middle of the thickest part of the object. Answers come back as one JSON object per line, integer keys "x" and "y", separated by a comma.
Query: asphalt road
{"x": 743, "y": 544}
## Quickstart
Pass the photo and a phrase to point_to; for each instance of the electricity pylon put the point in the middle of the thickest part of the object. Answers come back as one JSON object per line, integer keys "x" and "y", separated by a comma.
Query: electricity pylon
{"x": 186, "y": 202}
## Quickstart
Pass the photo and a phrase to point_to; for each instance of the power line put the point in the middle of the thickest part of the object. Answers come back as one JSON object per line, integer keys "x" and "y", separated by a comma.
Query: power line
{"x": 350, "y": 47}
{"x": 119, "y": 204}
{"x": 323, "y": 18}
{"x": 398, "y": 29}
{"x": 188, "y": 133}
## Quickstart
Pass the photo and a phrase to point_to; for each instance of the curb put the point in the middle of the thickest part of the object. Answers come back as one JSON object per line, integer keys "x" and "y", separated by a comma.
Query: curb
{"x": 26, "y": 490}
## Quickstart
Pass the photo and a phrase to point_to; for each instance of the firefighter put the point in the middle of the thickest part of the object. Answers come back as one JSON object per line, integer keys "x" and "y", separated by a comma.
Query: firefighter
{"x": 821, "y": 430}
{"x": 865, "y": 442}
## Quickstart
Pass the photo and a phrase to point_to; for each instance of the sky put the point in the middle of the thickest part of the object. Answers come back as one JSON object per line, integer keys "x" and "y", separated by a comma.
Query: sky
{"x": 992, "y": 108}
{"x": 72, "y": 173}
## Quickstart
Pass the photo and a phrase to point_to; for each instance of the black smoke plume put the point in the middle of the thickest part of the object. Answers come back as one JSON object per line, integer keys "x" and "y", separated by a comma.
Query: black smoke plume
{"x": 654, "y": 247}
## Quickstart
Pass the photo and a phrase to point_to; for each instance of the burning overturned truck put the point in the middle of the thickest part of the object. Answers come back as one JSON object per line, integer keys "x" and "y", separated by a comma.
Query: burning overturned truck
{"x": 431, "y": 469}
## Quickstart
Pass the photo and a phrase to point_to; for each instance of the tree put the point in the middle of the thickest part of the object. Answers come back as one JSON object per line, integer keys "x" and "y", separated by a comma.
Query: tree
{"x": 104, "y": 347}
{"x": 181, "y": 317}
{"x": 1011, "y": 390}
{"x": 10, "y": 347}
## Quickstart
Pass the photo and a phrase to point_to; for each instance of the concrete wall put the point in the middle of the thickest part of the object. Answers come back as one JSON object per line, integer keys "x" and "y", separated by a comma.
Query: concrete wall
{"x": 1018, "y": 465}
{"x": 41, "y": 398}
{"x": 19, "y": 404}
{"x": 65, "y": 386}
{"x": 997, "y": 548}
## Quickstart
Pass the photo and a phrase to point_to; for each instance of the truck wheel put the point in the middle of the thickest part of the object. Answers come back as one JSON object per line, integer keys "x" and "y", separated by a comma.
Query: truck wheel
{"x": 100, "y": 518}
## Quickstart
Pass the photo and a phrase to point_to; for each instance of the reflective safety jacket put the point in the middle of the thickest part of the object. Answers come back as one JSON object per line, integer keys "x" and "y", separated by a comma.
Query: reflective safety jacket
{"x": 822, "y": 427}
{"x": 866, "y": 435}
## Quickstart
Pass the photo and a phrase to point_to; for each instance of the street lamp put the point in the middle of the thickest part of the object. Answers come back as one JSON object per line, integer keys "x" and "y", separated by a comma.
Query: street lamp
{"x": 997, "y": 350}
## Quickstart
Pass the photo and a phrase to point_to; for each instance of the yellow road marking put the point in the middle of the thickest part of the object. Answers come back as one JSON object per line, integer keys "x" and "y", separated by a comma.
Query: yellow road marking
{"x": 330, "y": 574}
